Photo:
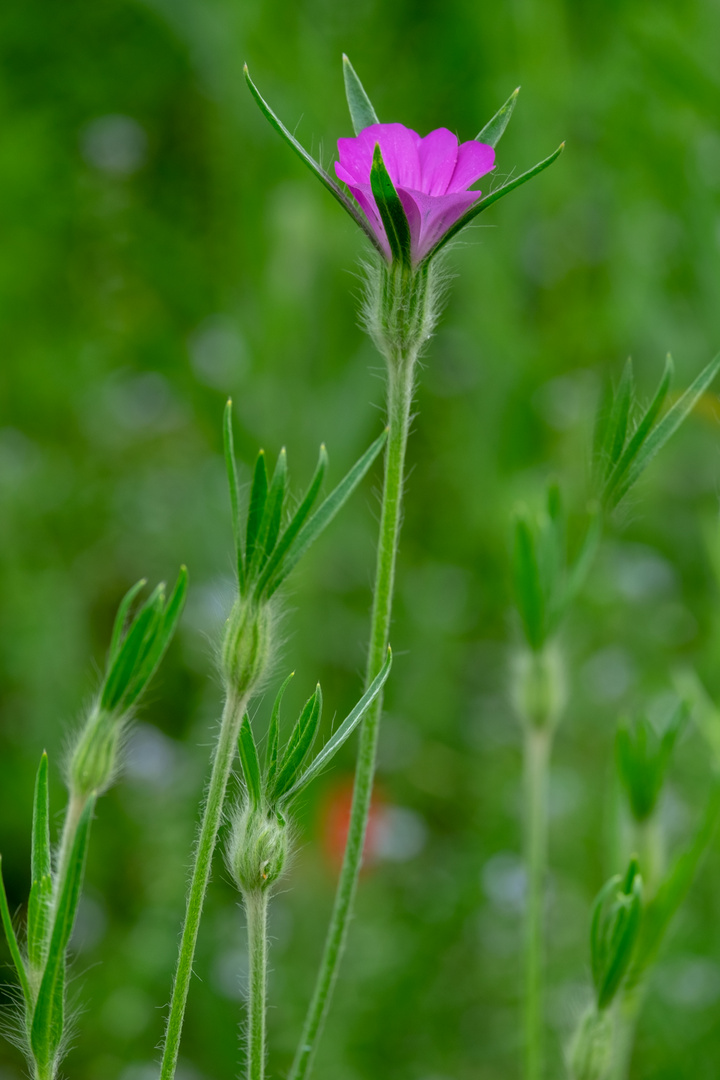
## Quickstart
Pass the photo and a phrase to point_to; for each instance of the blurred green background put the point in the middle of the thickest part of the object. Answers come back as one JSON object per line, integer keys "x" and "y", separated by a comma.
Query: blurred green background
{"x": 161, "y": 249}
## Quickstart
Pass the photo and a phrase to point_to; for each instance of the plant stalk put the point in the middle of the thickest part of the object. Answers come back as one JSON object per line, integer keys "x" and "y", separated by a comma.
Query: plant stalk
{"x": 212, "y": 816}
{"x": 400, "y": 387}
{"x": 538, "y": 743}
{"x": 256, "y": 908}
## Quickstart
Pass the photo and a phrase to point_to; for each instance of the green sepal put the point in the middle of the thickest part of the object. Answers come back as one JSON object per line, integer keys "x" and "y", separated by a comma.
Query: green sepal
{"x": 529, "y": 592}
{"x": 494, "y": 130}
{"x": 643, "y": 758}
{"x": 391, "y": 210}
{"x": 120, "y": 684}
{"x": 48, "y": 1020}
{"x": 327, "y": 181}
{"x": 362, "y": 113}
{"x": 234, "y": 488}
{"x": 273, "y": 739}
{"x": 493, "y": 197}
{"x": 660, "y": 911}
{"x": 121, "y": 618}
{"x": 321, "y": 518}
{"x": 40, "y": 869}
{"x": 343, "y": 733}
{"x": 616, "y": 919}
{"x": 15, "y": 954}
{"x": 160, "y": 642}
{"x": 256, "y": 510}
{"x": 667, "y": 427}
{"x": 298, "y": 746}
{"x": 272, "y": 515}
{"x": 250, "y": 762}
{"x": 296, "y": 522}
{"x": 639, "y": 436}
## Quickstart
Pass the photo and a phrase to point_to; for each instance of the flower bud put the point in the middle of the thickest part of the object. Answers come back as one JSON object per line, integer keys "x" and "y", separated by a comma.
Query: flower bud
{"x": 93, "y": 763}
{"x": 590, "y": 1055}
{"x": 538, "y": 686}
{"x": 246, "y": 646}
{"x": 257, "y": 849}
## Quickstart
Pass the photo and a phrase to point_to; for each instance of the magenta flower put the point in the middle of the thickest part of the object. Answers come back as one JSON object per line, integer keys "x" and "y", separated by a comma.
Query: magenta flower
{"x": 411, "y": 195}
{"x": 431, "y": 175}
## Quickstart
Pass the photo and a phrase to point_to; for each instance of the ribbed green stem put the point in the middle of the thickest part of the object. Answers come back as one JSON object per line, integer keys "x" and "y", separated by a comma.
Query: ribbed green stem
{"x": 538, "y": 742}
{"x": 212, "y": 816}
{"x": 400, "y": 385}
{"x": 256, "y": 908}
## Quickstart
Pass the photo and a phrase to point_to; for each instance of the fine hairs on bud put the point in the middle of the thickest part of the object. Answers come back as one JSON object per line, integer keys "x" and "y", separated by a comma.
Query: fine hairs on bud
{"x": 93, "y": 760}
{"x": 401, "y": 306}
{"x": 248, "y": 646}
{"x": 257, "y": 850}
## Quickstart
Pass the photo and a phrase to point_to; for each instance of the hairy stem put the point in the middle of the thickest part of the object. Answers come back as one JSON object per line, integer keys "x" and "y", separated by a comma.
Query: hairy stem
{"x": 209, "y": 826}
{"x": 538, "y": 743}
{"x": 256, "y": 908}
{"x": 399, "y": 400}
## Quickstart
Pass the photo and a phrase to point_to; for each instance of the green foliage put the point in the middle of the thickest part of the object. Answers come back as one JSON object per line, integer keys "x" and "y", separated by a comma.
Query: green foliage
{"x": 40, "y": 871}
{"x": 643, "y": 758}
{"x": 621, "y": 458}
{"x": 271, "y": 551}
{"x": 136, "y": 651}
{"x": 362, "y": 112}
{"x": 616, "y": 919}
{"x": 662, "y": 908}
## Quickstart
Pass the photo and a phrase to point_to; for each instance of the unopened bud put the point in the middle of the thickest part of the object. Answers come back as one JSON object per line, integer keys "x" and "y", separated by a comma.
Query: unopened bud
{"x": 93, "y": 763}
{"x": 538, "y": 686}
{"x": 590, "y": 1055}
{"x": 246, "y": 647}
{"x": 257, "y": 850}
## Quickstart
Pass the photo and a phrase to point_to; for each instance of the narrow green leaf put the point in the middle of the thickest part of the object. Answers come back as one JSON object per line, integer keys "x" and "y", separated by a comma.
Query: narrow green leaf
{"x": 600, "y": 434}
{"x": 48, "y": 1018}
{"x": 493, "y": 131}
{"x": 273, "y": 739}
{"x": 299, "y": 745}
{"x": 660, "y": 911}
{"x": 493, "y": 197}
{"x": 362, "y": 113}
{"x": 233, "y": 485}
{"x": 528, "y": 587}
{"x": 272, "y": 515}
{"x": 256, "y": 510}
{"x": 667, "y": 427}
{"x": 622, "y": 938}
{"x": 551, "y": 553}
{"x": 343, "y": 733}
{"x": 297, "y": 521}
{"x": 158, "y": 645}
{"x": 119, "y": 682}
{"x": 585, "y": 558}
{"x": 15, "y": 954}
{"x": 40, "y": 868}
{"x": 619, "y": 415}
{"x": 324, "y": 514}
{"x": 391, "y": 210}
{"x": 122, "y": 613}
{"x": 640, "y": 434}
{"x": 327, "y": 181}
{"x": 250, "y": 762}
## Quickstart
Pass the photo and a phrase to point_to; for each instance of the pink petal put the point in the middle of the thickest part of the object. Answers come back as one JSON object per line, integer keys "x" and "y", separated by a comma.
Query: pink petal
{"x": 438, "y": 154}
{"x": 364, "y": 196}
{"x": 399, "y": 147}
{"x": 474, "y": 159}
{"x": 436, "y": 214}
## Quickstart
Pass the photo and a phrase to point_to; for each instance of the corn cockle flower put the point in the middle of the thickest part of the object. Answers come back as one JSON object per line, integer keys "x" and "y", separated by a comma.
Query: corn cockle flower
{"x": 411, "y": 195}
{"x": 431, "y": 176}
